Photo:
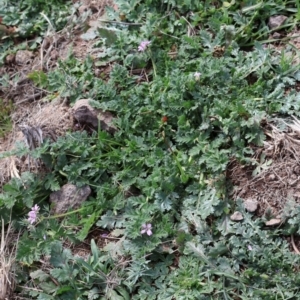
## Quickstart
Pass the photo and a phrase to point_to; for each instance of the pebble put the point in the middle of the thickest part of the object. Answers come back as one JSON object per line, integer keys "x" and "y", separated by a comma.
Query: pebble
{"x": 24, "y": 57}
{"x": 276, "y": 21}
{"x": 251, "y": 205}
{"x": 236, "y": 216}
{"x": 273, "y": 222}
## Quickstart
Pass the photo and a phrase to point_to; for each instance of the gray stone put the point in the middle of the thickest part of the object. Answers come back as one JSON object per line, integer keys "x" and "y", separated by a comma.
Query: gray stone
{"x": 69, "y": 197}
{"x": 272, "y": 177}
{"x": 24, "y": 57}
{"x": 251, "y": 205}
{"x": 89, "y": 118}
{"x": 273, "y": 222}
{"x": 276, "y": 21}
{"x": 276, "y": 35}
{"x": 236, "y": 216}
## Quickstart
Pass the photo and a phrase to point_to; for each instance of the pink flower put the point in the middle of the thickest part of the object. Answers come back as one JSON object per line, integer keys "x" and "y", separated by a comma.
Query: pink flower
{"x": 32, "y": 215}
{"x": 143, "y": 46}
{"x": 146, "y": 228}
{"x": 197, "y": 75}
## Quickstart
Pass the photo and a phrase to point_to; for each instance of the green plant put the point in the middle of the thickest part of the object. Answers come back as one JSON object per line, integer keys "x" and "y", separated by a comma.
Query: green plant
{"x": 159, "y": 186}
{"x": 30, "y": 19}
{"x": 26, "y": 15}
{"x": 79, "y": 277}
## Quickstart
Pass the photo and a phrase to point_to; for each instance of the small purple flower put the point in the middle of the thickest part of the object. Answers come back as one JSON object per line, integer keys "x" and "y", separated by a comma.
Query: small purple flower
{"x": 143, "y": 46}
{"x": 146, "y": 228}
{"x": 32, "y": 215}
{"x": 197, "y": 75}
{"x": 249, "y": 247}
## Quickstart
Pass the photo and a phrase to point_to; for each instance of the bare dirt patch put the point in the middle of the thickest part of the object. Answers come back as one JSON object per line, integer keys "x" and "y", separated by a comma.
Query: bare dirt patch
{"x": 275, "y": 180}
{"x": 52, "y": 118}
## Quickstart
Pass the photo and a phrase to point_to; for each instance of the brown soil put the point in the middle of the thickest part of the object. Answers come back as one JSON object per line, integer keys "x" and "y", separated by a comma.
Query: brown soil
{"x": 274, "y": 179}
{"x": 32, "y": 105}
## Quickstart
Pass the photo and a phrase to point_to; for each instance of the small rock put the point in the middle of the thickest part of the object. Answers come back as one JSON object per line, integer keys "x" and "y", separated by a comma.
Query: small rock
{"x": 24, "y": 57}
{"x": 273, "y": 222}
{"x": 89, "y": 117}
{"x": 276, "y": 35}
{"x": 69, "y": 196}
{"x": 251, "y": 205}
{"x": 276, "y": 21}
{"x": 272, "y": 177}
{"x": 236, "y": 216}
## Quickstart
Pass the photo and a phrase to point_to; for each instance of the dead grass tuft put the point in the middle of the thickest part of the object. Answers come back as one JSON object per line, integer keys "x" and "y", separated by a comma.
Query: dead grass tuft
{"x": 7, "y": 258}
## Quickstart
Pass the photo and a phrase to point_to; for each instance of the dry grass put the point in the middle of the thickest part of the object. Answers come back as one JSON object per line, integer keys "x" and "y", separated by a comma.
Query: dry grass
{"x": 7, "y": 258}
